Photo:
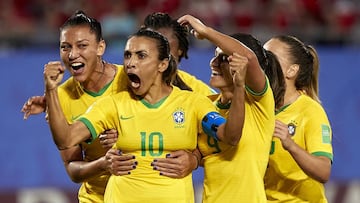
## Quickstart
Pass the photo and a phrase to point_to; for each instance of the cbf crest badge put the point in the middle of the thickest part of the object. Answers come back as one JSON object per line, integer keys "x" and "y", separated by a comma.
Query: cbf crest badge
{"x": 291, "y": 129}
{"x": 179, "y": 116}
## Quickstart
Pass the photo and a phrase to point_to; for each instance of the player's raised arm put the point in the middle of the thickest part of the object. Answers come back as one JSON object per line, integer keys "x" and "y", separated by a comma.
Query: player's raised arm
{"x": 64, "y": 135}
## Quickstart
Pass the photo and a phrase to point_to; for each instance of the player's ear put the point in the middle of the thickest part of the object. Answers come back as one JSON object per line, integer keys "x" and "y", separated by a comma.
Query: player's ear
{"x": 101, "y": 48}
{"x": 180, "y": 52}
{"x": 292, "y": 71}
{"x": 163, "y": 65}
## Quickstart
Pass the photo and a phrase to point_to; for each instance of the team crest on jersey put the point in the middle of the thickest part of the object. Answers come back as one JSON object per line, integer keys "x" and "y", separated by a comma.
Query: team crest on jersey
{"x": 291, "y": 128}
{"x": 179, "y": 117}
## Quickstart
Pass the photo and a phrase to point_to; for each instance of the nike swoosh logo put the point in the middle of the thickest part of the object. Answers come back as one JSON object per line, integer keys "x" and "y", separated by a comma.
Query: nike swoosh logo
{"x": 125, "y": 118}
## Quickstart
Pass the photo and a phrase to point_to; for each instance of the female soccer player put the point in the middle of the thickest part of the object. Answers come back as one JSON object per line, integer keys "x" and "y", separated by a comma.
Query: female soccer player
{"x": 90, "y": 169}
{"x": 301, "y": 152}
{"x": 153, "y": 118}
{"x": 235, "y": 173}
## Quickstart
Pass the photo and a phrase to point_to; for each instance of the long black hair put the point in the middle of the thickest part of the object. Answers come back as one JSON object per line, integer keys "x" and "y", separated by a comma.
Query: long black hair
{"x": 80, "y": 18}
{"x": 159, "y": 20}
{"x": 163, "y": 48}
{"x": 269, "y": 63}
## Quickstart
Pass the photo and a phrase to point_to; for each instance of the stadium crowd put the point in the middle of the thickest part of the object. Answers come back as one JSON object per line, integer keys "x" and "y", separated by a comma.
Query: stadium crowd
{"x": 36, "y": 22}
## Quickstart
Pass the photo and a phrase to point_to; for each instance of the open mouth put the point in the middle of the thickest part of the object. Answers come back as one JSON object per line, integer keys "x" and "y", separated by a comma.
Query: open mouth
{"x": 77, "y": 66}
{"x": 215, "y": 73}
{"x": 134, "y": 80}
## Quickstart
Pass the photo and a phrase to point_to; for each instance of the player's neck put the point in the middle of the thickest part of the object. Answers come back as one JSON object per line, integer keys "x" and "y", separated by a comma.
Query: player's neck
{"x": 291, "y": 96}
{"x": 103, "y": 76}
{"x": 157, "y": 94}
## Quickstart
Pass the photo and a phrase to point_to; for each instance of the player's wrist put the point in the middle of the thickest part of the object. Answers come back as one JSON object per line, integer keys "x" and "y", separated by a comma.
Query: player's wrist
{"x": 104, "y": 164}
{"x": 223, "y": 105}
{"x": 197, "y": 160}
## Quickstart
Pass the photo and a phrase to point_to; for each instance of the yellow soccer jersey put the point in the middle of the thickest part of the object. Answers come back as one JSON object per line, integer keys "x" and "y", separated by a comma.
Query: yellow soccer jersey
{"x": 284, "y": 180}
{"x": 150, "y": 131}
{"x": 235, "y": 173}
{"x": 74, "y": 102}
{"x": 196, "y": 84}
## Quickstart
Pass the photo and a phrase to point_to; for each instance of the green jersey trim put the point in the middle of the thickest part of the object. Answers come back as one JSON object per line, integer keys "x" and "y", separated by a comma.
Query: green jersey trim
{"x": 325, "y": 154}
{"x": 258, "y": 93}
{"x": 153, "y": 106}
{"x": 90, "y": 127}
{"x": 96, "y": 94}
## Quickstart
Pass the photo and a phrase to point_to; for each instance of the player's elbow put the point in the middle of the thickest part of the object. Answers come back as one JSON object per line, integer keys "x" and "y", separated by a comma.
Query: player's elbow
{"x": 232, "y": 140}
{"x": 324, "y": 178}
{"x": 68, "y": 139}
{"x": 230, "y": 136}
{"x": 76, "y": 179}
{"x": 61, "y": 140}
{"x": 234, "y": 137}
{"x": 64, "y": 146}
{"x": 75, "y": 176}
{"x": 323, "y": 181}
{"x": 323, "y": 175}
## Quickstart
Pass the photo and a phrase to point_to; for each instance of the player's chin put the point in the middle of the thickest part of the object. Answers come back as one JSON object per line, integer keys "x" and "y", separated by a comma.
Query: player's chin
{"x": 138, "y": 91}
{"x": 79, "y": 77}
{"x": 216, "y": 81}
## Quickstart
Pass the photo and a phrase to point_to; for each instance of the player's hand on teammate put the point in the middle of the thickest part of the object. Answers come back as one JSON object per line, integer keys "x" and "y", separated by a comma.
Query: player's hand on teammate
{"x": 34, "y": 105}
{"x": 119, "y": 163}
{"x": 108, "y": 138}
{"x": 53, "y": 74}
{"x": 177, "y": 164}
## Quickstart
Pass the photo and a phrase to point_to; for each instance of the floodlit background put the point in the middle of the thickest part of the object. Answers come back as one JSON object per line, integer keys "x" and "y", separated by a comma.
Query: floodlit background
{"x": 31, "y": 169}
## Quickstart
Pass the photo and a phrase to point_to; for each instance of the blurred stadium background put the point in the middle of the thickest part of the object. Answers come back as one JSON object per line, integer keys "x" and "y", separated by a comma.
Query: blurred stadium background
{"x": 31, "y": 169}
